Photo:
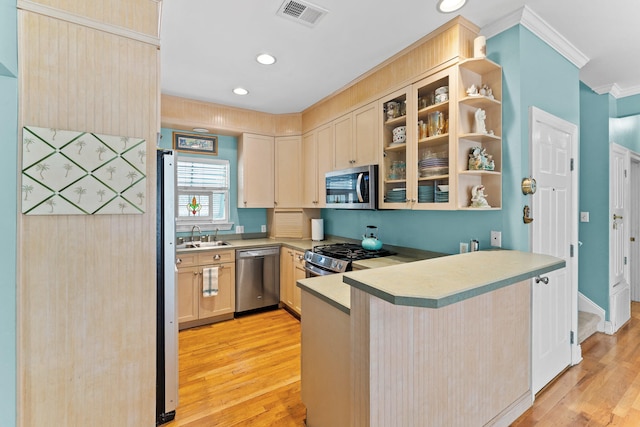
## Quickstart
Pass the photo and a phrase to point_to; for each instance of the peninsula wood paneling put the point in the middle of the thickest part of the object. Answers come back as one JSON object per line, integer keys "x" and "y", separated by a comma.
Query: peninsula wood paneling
{"x": 447, "y": 43}
{"x": 458, "y": 365}
{"x": 86, "y": 284}
{"x": 186, "y": 114}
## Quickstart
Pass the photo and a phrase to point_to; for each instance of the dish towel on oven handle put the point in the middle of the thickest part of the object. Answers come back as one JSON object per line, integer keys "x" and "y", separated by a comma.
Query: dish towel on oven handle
{"x": 210, "y": 281}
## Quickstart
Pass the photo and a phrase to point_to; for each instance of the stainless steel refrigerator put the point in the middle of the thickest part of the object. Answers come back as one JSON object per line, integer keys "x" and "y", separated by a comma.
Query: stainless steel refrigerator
{"x": 167, "y": 297}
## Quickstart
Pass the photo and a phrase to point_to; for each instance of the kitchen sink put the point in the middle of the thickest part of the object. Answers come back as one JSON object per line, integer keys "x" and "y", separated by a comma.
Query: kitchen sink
{"x": 191, "y": 245}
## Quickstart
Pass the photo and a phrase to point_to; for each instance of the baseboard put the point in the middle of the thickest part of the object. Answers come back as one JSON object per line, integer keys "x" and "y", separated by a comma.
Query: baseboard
{"x": 513, "y": 411}
{"x": 585, "y": 304}
{"x": 608, "y": 328}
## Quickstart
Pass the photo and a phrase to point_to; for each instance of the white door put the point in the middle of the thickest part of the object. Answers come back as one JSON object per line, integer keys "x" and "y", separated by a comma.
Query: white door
{"x": 619, "y": 291}
{"x": 634, "y": 229}
{"x": 553, "y": 231}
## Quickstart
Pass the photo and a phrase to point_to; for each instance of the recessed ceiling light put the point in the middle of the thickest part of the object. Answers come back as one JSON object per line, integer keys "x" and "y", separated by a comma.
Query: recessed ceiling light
{"x": 448, "y": 6}
{"x": 266, "y": 59}
{"x": 240, "y": 91}
{"x": 201, "y": 130}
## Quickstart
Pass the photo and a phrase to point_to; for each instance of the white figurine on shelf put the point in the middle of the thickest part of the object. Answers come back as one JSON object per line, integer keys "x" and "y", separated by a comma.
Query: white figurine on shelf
{"x": 480, "y": 116}
{"x": 478, "y": 198}
{"x": 472, "y": 91}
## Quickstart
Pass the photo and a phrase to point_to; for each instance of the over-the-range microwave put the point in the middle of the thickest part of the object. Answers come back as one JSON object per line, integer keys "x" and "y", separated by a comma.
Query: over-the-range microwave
{"x": 353, "y": 188}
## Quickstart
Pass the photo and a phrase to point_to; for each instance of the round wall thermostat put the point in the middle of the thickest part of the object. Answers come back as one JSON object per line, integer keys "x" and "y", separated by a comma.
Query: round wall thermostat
{"x": 528, "y": 186}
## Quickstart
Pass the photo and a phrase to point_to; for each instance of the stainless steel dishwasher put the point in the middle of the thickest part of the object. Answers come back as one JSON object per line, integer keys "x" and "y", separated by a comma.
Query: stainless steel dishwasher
{"x": 257, "y": 279}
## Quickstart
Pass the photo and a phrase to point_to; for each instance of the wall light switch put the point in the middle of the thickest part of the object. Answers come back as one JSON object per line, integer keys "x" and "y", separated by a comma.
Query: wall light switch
{"x": 584, "y": 216}
{"x": 239, "y": 229}
{"x": 263, "y": 228}
{"x": 496, "y": 239}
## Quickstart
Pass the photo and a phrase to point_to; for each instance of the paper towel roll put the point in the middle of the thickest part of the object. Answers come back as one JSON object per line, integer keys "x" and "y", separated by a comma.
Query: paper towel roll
{"x": 317, "y": 229}
{"x": 480, "y": 47}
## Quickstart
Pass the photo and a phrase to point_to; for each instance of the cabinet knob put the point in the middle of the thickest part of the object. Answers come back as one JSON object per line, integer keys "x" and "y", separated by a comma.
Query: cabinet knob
{"x": 195, "y": 273}
{"x": 178, "y": 260}
{"x": 217, "y": 256}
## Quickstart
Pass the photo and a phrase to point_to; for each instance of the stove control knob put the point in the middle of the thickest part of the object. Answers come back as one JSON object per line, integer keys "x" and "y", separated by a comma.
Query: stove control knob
{"x": 339, "y": 265}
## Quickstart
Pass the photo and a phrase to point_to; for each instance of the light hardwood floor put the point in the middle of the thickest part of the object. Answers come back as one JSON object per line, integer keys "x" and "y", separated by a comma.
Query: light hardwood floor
{"x": 246, "y": 372}
{"x": 241, "y": 372}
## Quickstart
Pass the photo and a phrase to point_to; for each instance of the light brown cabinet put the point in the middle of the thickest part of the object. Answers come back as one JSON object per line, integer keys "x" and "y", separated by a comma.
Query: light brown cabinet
{"x": 288, "y": 172}
{"x": 256, "y": 171}
{"x": 317, "y": 160}
{"x": 291, "y": 270}
{"x": 429, "y": 168}
{"x": 479, "y": 73}
{"x": 356, "y": 138}
{"x": 194, "y": 309}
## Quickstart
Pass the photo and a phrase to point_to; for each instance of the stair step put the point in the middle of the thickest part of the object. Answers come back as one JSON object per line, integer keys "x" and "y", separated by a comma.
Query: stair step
{"x": 587, "y": 325}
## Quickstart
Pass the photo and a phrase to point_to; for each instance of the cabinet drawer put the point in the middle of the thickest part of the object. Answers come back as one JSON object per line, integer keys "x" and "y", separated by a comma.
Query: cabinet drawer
{"x": 216, "y": 257}
{"x": 186, "y": 259}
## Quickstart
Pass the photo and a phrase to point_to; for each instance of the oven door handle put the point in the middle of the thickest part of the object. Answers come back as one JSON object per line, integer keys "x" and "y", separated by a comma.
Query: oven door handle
{"x": 315, "y": 273}
{"x": 359, "y": 187}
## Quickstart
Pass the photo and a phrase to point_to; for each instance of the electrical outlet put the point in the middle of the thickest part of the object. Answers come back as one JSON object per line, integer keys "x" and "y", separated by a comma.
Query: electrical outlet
{"x": 263, "y": 228}
{"x": 496, "y": 239}
{"x": 464, "y": 247}
{"x": 239, "y": 229}
{"x": 584, "y": 216}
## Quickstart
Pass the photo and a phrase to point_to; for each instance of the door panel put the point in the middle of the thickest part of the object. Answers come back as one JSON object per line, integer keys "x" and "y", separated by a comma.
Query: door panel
{"x": 551, "y": 151}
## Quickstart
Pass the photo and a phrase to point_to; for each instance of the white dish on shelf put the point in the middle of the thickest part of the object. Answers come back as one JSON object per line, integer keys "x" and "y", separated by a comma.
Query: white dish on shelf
{"x": 443, "y": 188}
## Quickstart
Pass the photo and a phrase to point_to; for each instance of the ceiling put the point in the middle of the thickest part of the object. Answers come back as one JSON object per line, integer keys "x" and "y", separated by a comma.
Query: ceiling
{"x": 209, "y": 47}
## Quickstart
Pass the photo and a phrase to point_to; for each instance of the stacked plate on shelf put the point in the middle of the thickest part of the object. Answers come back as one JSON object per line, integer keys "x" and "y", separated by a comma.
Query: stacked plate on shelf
{"x": 396, "y": 195}
{"x": 426, "y": 194}
{"x": 442, "y": 194}
{"x": 433, "y": 166}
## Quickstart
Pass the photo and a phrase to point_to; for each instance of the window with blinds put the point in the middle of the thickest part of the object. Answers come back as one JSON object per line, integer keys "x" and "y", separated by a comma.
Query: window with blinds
{"x": 203, "y": 191}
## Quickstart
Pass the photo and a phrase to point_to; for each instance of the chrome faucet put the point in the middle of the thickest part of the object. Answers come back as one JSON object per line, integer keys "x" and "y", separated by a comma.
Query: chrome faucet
{"x": 193, "y": 229}
{"x": 215, "y": 236}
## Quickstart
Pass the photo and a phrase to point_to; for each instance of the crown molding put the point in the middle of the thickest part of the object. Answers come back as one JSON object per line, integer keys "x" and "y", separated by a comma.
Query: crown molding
{"x": 615, "y": 90}
{"x": 534, "y": 23}
{"x": 52, "y": 12}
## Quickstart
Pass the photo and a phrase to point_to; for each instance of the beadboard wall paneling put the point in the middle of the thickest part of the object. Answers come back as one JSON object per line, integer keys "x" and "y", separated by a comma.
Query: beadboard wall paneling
{"x": 453, "y": 366}
{"x": 183, "y": 113}
{"x": 434, "y": 51}
{"x": 136, "y": 15}
{"x": 86, "y": 284}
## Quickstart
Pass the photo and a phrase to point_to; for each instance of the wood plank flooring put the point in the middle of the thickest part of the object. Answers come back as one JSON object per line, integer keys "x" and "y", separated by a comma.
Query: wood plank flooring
{"x": 241, "y": 372}
{"x": 603, "y": 390}
{"x": 246, "y": 372}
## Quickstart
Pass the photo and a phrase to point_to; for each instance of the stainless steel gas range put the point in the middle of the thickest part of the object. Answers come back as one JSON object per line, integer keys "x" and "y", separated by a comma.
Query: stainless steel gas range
{"x": 337, "y": 258}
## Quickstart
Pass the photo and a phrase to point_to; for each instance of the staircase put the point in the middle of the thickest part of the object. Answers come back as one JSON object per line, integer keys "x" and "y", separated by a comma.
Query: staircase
{"x": 587, "y": 325}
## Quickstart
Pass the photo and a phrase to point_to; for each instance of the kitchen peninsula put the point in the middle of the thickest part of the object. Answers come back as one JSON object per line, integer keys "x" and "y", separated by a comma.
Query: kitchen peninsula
{"x": 445, "y": 341}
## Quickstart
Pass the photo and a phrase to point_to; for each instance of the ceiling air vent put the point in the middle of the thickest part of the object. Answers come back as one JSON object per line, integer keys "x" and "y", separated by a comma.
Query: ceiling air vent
{"x": 303, "y": 12}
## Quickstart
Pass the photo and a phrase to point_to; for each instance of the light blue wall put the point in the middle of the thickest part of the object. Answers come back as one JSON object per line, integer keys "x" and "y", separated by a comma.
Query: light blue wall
{"x": 533, "y": 74}
{"x": 626, "y": 132}
{"x": 8, "y": 193}
{"x": 251, "y": 219}
{"x": 593, "y": 276}
{"x": 8, "y": 39}
{"x": 628, "y": 106}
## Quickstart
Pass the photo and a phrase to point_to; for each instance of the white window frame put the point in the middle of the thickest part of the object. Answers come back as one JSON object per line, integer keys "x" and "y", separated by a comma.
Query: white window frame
{"x": 205, "y": 224}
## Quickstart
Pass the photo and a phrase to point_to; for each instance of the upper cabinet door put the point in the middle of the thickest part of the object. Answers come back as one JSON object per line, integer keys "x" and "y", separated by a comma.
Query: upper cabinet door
{"x": 342, "y": 142}
{"x": 365, "y": 135}
{"x": 256, "y": 176}
{"x": 309, "y": 170}
{"x": 356, "y": 138}
{"x": 288, "y": 172}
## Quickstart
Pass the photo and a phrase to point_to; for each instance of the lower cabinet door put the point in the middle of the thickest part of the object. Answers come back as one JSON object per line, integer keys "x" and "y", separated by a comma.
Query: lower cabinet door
{"x": 188, "y": 280}
{"x": 224, "y": 302}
